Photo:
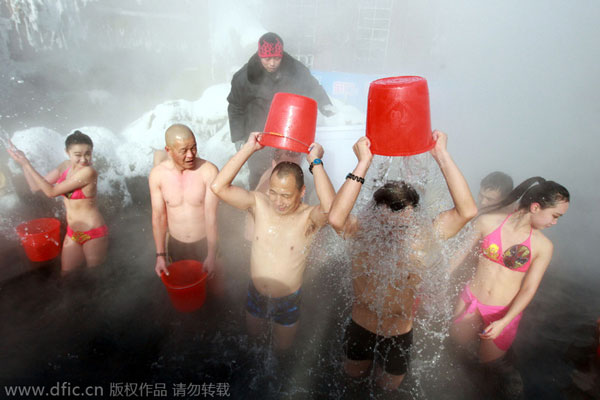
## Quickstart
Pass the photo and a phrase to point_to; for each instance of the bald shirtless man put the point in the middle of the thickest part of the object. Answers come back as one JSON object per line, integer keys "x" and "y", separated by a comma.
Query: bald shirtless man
{"x": 284, "y": 228}
{"x": 382, "y": 310}
{"x": 183, "y": 204}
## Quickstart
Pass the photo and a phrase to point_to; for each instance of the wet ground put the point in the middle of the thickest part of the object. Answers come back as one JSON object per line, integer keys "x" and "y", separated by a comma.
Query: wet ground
{"x": 114, "y": 327}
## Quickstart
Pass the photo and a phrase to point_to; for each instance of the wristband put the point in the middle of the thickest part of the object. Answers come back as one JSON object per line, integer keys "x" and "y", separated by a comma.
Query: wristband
{"x": 314, "y": 162}
{"x": 161, "y": 254}
{"x": 355, "y": 178}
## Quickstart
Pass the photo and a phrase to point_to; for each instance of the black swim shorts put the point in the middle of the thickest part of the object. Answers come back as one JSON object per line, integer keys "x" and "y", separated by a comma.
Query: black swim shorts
{"x": 282, "y": 310}
{"x": 391, "y": 353}
{"x": 178, "y": 251}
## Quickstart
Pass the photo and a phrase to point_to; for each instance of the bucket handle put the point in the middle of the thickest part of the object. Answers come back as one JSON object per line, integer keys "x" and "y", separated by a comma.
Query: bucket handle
{"x": 286, "y": 137}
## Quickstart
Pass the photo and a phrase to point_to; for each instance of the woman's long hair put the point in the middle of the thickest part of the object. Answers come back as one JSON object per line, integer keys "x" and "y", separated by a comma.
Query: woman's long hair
{"x": 533, "y": 190}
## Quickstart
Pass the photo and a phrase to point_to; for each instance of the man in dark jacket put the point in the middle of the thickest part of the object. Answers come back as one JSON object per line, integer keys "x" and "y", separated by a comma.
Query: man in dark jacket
{"x": 269, "y": 70}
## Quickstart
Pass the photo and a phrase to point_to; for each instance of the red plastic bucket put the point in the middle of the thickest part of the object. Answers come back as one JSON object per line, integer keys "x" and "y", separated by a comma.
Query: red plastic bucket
{"x": 398, "y": 118}
{"x": 291, "y": 123}
{"x": 40, "y": 238}
{"x": 186, "y": 285}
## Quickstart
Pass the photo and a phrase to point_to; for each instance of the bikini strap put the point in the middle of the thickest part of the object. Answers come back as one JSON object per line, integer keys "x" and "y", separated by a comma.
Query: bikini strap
{"x": 505, "y": 219}
{"x": 63, "y": 176}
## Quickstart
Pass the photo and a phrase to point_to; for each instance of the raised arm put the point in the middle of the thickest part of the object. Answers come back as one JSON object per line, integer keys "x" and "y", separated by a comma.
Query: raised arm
{"x": 467, "y": 247}
{"x": 323, "y": 186}
{"x": 348, "y": 193}
{"x": 159, "y": 221}
{"x": 450, "y": 222}
{"x": 51, "y": 177}
{"x": 36, "y": 181}
{"x": 525, "y": 295}
{"x": 211, "y": 203}
{"x": 222, "y": 187}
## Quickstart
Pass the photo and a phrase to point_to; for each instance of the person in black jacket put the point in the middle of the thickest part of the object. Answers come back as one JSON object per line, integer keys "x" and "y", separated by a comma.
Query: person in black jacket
{"x": 269, "y": 70}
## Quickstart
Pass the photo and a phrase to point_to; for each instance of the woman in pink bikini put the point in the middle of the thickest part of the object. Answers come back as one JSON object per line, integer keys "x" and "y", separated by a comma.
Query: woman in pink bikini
{"x": 514, "y": 255}
{"x": 76, "y": 180}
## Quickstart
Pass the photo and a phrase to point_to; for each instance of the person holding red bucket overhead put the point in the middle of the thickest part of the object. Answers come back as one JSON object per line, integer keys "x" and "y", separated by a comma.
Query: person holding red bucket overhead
{"x": 184, "y": 206}
{"x": 270, "y": 70}
{"x": 284, "y": 228}
{"x": 76, "y": 180}
{"x": 380, "y": 330}
{"x": 384, "y": 333}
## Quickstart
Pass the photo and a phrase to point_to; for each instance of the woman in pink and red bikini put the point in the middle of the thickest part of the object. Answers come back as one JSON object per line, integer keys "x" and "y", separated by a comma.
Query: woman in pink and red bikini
{"x": 75, "y": 179}
{"x": 514, "y": 255}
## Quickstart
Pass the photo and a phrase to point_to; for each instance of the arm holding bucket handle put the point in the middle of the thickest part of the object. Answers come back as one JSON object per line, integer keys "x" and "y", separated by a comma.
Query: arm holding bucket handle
{"x": 450, "y": 222}
{"x": 159, "y": 222}
{"x": 323, "y": 186}
{"x": 339, "y": 215}
{"x": 222, "y": 187}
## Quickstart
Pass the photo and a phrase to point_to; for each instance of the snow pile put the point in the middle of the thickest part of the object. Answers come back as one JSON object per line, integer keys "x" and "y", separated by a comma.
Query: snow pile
{"x": 129, "y": 154}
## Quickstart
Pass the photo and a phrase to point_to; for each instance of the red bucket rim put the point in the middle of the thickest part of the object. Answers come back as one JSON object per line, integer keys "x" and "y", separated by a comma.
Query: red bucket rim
{"x": 54, "y": 224}
{"x": 266, "y": 139}
{"x": 408, "y": 153}
{"x": 170, "y": 285}
{"x": 393, "y": 81}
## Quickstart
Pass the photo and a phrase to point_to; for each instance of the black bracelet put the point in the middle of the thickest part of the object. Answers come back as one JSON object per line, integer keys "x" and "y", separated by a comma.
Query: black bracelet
{"x": 355, "y": 178}
{"x": 161, "y": 254}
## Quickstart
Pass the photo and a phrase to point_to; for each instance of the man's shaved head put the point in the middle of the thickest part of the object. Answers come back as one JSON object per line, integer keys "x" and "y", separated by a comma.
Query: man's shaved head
{"x": 177, "y": 132}
{"x": 181, "y": 146}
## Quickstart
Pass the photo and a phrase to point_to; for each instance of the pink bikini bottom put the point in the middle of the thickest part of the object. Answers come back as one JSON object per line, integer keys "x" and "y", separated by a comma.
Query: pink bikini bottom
{"x": 490, "y": 314}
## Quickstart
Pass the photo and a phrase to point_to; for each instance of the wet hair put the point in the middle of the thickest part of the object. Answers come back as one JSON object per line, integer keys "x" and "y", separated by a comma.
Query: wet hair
{"x": 499, "y": 181}
{"x": 286, "y": 168}
{"x": 78, "y": 138}
{"x": 534, "y": 190}
{"x": 397, "y": 195}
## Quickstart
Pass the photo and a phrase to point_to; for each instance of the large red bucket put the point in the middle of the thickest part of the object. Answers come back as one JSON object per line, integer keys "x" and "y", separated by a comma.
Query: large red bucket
{"x": 398, "y": 119}
{"x": 40, "y": 238}
{"x": 186, "y": 285}
{"x": 291, "y": 123}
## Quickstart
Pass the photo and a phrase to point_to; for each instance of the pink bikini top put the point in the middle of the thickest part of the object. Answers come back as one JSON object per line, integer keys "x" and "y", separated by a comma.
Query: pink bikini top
{"x": 76, "y": 194}
{"x": 516, "y": 258}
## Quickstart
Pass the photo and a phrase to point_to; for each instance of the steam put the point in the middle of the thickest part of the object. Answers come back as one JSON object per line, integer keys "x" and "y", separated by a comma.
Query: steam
{"x": 514, "y": 85}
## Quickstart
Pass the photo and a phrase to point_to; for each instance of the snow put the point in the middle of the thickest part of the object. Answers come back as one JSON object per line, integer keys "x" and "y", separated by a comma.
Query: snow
{"x": 128, "y": 154}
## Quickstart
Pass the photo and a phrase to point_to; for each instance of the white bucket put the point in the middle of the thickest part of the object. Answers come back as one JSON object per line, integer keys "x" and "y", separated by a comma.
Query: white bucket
{"x": 337, "y": 141}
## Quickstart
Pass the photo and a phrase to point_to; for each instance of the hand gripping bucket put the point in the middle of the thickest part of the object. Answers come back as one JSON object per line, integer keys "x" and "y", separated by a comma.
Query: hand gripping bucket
{"x": 291, "y": 123}
{"x": 186, "y": 285}
{"x": 40, "y": 238}
{"x": 398, "y": 119}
